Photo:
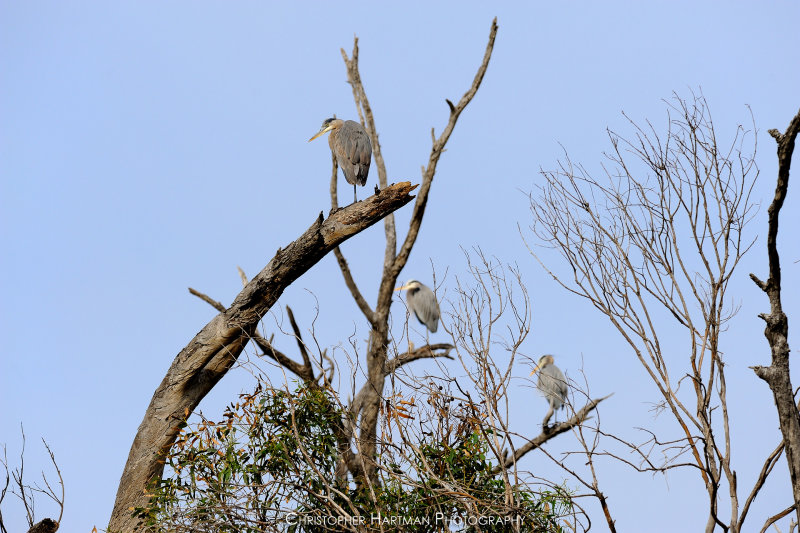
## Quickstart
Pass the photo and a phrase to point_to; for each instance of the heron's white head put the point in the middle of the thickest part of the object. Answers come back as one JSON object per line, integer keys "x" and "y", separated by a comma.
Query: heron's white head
{"x": 544, "y": 360}
{"x": 409, "y": 286}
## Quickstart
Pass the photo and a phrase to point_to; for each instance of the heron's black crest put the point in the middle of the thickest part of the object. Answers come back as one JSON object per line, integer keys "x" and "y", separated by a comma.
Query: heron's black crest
{"x": 327, "y": 121}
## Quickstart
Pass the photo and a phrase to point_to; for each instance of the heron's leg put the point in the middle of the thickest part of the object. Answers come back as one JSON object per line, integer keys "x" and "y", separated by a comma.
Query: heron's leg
{"x": 355, "y": 198}
{"x": 547, "y": 416}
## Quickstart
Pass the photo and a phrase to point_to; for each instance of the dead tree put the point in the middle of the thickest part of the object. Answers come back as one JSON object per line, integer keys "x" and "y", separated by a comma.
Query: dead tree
{"x": 653, "y": 246}
{"x": 777, "y": 324}
{"x": 215, "y": 349}
{"x": 365, "y": 407}
{"x": 359, "y": 450}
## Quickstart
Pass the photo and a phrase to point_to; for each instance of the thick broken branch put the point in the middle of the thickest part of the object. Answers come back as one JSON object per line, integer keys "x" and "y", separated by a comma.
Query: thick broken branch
{"x": 212, "y": 352}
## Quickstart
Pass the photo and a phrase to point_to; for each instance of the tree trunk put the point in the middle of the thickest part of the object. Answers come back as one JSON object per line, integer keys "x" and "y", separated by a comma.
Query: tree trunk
{"x": 777, "y": 330}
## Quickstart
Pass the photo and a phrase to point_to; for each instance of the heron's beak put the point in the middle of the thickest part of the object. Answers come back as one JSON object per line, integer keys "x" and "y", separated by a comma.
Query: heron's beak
{"x": 320, "y": 132}
{"x": 535, "y": 370}
{"x": 404, "y": 287}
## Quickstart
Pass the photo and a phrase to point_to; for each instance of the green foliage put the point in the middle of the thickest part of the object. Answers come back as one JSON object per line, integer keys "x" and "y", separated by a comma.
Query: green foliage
{"x": 270, "y": 465}
{"x": 480, "y": 505}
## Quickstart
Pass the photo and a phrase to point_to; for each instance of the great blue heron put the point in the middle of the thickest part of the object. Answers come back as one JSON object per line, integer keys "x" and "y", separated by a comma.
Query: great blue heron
{"x": 422, "y": 302}
{"x": 350, "y": 145}
{"x": 552, "y": 384}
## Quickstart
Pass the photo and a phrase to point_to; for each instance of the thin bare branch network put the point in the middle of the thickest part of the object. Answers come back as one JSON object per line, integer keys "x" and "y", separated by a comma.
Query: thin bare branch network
{"x": 27, "y": 492}
{"x": 653, "y": 245}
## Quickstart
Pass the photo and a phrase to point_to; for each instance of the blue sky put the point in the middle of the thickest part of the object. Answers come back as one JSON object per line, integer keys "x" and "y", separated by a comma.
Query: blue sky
{"x": 147, "y": 147}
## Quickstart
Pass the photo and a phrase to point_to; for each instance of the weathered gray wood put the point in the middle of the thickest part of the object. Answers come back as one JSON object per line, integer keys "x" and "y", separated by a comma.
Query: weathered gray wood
{"x": 777, "y": 324}
{"x": 212, "y": 352}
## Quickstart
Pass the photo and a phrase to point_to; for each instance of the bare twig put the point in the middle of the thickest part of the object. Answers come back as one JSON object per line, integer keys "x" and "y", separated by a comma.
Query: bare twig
{"x": 436, "y": 152}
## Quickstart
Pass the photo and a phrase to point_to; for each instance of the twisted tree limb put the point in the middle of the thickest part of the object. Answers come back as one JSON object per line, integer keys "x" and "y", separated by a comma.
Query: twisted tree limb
{"x": 777, "y": 329}
{"x": 212, "y": 352}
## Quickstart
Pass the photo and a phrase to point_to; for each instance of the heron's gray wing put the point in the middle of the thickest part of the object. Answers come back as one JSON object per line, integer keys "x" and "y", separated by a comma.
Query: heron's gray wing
{"x": 426, "y": 308}
{"x": 553, "y": 385}
{"x": 340, "y": 146}
{"x": 358, "y": 150}
{"x": 561, "y": 380}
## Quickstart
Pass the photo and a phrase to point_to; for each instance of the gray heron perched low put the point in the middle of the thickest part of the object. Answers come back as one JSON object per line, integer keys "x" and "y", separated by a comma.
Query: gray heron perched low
{"x": 552, "y": 384}
{"x": 422, "y": 302}
{"x": 351, "y": 147}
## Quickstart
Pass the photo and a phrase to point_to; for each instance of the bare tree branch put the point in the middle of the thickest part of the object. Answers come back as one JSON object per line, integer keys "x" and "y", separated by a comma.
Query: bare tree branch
{"x": 429, "y": 351}
{"x": 210, "y": 301}
{"x": 548, "y": 433}
{"x": 772, "y": 519}
{"x": 351, "y": 285}
{"x": 303, "y": 371}
{"x": 436, "y": 152}
{"x": 242, "y": 276}
{"x": 299, "y": 338}
{"x": 769, "y": 463}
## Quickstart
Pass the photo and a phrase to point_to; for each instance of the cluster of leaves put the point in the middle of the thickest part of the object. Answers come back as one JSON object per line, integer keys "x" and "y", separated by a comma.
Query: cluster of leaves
{"x": 282, "y": 477}
{"x": 216, "y": 481}
{"x": 455, "y": 484}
